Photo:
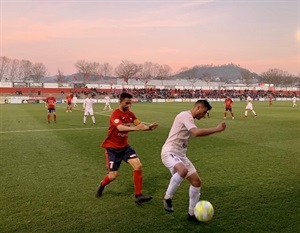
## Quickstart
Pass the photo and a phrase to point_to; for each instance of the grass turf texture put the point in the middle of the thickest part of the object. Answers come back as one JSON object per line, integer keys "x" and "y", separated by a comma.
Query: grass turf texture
{"x": 50, "y": 172}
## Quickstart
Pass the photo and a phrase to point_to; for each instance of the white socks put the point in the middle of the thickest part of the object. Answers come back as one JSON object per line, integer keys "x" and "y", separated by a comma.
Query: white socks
{"x": 93, "y": 119}
{"x": 174, "y": 184}
{"x": 194, "y": 193}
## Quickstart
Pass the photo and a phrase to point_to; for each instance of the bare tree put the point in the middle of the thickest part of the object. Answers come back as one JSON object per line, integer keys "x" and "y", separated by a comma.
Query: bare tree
{"x": 39, "y": 71}
{"x": 14, "y": 70}
{"x": 146, "y": 72}
{"x": 246, "y": 76}
{"x": 207, "y": 78}
{"x": 297, "y": 80}
{"x": 60, "y": 77}
{"x": 4, "y": 68}
{"x": 155, "y": 70}
{"x": 25, "y": 70}
{"x": 164, "y": 73}
{"x": 272, "y": 76}
{"x": 105, "y": 69}
{"x": 87, "y": 68}
{"x": 288, "y": 79}
{"x": 127, "y": 70}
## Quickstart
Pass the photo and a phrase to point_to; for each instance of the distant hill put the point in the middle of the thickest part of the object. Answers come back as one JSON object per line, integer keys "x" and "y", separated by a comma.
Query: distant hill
{"x": 224, "y": 73}
{"x": 228, "y": 72}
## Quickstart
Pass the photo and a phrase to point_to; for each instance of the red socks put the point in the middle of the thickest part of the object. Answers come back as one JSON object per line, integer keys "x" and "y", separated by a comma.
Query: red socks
{"x": 105, "y": 181}
{"x": 138, "y": 181}
{"x": 48, "y": 118}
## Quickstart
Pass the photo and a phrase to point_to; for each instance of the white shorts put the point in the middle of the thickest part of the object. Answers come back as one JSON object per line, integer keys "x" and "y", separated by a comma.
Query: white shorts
{"x": 170, "y": 159}
{"x": 249, "y": 106}
{"x": 88, "y": 112}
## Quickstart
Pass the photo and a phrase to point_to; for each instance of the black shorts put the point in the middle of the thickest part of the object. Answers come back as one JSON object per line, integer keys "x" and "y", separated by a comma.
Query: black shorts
{"x": 69, "y": 104}
{"x": 51, "y": 110}
{"x": 114, "y": 157}
{"x": 228, "y": 109}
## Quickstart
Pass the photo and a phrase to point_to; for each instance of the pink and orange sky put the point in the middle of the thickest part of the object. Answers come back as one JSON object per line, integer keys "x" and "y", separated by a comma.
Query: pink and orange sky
{"x": 257, "y": 34}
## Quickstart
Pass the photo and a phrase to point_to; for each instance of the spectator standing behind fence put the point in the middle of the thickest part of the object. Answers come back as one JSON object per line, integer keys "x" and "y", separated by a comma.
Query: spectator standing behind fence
{"x": 228, "y": 107}
{"x": 107, "y": 102}
{"x": 249, "y": 107}
{"x": 50, "y": 105}
{"x": 88, "y": 109}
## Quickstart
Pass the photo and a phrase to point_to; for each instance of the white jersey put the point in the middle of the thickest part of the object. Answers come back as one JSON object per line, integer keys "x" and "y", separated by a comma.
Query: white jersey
{"x": 74, "y": 99}
{"x": 294, "y": 99}
{"x": 107, "y": 99}
{"x": 249, "y": 99}
{"x": 249, "y": 103}
{"x": 88, "y": 106}
{"x": 179, "y": 135}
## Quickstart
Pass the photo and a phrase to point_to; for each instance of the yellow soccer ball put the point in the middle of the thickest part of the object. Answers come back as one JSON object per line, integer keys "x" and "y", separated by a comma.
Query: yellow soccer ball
{"x": 204, "y": 211}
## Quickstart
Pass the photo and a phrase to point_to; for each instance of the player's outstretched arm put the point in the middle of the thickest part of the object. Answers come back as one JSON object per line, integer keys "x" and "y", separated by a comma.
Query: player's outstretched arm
{"x": 196, "y": 132}
{"x": 139, "y": 127}
{"x": 153, "y": 126}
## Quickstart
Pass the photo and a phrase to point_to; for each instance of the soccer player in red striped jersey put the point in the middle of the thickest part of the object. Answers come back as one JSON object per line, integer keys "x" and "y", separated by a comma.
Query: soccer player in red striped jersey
{"x": 117, "y": 148}
{"x": 69, "y": 102}
{"x": 228, "y": 107}
{"x": 50, "y": 105}
{"x": 270, "y": 100}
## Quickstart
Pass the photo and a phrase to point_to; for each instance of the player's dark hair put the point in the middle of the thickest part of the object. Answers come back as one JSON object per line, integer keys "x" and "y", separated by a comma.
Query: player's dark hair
{"x": 204, "y": 103}
{"x": 125, "y": 95}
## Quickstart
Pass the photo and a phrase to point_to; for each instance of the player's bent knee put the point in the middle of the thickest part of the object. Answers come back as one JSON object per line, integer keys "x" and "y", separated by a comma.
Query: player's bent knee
{"x": 194, "y": 180}
{"x": 137, "y": 166}
{"x": 183, "y": 172}
{"x": 196, "y": 183}
{"x": 112, "y": 175}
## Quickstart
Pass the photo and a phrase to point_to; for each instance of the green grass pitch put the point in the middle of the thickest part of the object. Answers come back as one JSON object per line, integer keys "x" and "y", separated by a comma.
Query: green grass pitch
{"x": 50, "y": 172}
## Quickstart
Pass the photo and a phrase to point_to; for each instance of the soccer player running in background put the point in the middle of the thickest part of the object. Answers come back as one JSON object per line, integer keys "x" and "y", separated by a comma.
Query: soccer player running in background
{"x": 173, "y": 154}
{"x": 107, "y": 102}
{"x": 88, "y": 107}
{"x": 74, "y": 100}
{"x": 117, "y": 148}
{"x": 249, "y": 107}
{"x": 294, "y": 99}
{"x": 69, "y": 102}
{"x": 50, "y": 105}
{"x": 270, "y": 100}
{"x": 207, "y": 113}
{"x": 228, "y": 107}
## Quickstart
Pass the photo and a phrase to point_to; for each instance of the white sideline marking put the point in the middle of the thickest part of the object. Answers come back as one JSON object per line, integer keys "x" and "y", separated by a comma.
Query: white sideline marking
{"x": 72, "y": 129}
{"x": 100, "y": 113}
{"x": 48, "y": 130}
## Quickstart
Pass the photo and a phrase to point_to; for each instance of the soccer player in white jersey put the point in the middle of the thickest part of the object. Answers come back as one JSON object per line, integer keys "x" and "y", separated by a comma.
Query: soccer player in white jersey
{"x": 249, "y": 107}
{"x": 88, "y": 109}
{"x": 107, "y": 103}
{"x": 74, "y": 100}
{"x": 173, "y": 154}
{"x": 294, "y": 99}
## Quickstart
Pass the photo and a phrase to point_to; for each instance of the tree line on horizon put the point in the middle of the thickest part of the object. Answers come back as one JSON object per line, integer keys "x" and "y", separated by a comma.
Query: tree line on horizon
{"x": 15, "y": 70}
